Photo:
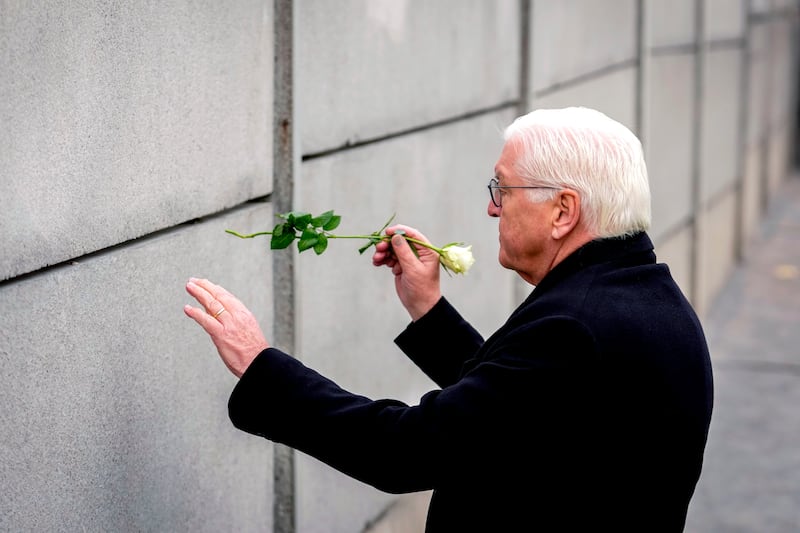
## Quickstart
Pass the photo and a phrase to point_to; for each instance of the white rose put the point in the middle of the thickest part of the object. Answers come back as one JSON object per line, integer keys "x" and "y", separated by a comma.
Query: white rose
{"x": 457, "y": 258}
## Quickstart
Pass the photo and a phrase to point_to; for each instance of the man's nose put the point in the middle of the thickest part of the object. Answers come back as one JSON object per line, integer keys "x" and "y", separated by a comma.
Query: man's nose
{"x": 492, "y": 210}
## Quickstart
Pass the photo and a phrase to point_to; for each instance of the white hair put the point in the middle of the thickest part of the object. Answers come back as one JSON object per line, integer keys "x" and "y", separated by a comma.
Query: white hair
{"x": 583, "y": 149}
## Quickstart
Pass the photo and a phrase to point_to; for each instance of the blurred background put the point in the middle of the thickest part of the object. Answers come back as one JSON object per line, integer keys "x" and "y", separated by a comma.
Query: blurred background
{"x": 132, "y": 135}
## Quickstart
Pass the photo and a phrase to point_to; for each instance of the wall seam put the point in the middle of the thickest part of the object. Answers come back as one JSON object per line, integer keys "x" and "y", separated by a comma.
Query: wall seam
{"x": 285, "y": 165}
{"x": 524, "y": 100}
{"x": 765, "y": 117}
{"x": 697, "y": 104}
{"x": 739, "y": 222}
{"x": 641, "y": 73}
{"x": 588, "y": 76}
{"x": 350, "y": 145}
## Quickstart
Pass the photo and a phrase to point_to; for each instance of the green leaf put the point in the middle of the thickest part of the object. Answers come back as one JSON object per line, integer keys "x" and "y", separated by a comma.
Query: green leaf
{"x": 322, "y": 243}
{"x": 308, "y": 239}
{"x": 292, "y": 215}
{"x": 386, "y": 225}
{"x": 321, "y": 220}
{"x": 277, "y": 231}
{"x": 279, "y": 242}
{"x": 299, "y": 219}
{"x": 333, "y": 223}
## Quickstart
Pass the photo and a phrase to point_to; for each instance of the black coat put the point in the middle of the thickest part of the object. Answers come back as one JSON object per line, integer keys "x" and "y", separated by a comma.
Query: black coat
{"x": 588, "y": 410}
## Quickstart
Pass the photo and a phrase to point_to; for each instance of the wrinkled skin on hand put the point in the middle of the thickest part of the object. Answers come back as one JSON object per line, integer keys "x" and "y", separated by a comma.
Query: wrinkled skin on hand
{"x": 416, "y": 275}
{"x": 235, "y": 331}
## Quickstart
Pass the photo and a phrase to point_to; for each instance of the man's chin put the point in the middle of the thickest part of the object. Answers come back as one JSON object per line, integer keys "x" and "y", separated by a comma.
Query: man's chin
{"x": 503, "y": 260}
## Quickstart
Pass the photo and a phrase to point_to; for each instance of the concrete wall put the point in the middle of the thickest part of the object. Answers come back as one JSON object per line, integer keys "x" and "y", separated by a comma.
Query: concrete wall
{"x": 132, "y": 136}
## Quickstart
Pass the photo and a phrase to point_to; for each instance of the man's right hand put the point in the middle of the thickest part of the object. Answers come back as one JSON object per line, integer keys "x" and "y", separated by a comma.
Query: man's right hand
{"x": 416, "y": 276}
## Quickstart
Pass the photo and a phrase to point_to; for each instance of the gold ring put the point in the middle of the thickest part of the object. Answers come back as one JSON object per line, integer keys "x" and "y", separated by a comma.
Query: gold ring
{"x": 221, "y": 310}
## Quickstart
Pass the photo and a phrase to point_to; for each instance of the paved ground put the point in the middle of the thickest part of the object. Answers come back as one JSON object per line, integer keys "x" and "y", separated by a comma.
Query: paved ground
{"x": 751, "y": 476}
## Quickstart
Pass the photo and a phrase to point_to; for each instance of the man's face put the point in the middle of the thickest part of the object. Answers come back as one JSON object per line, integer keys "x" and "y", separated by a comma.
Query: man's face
{"x": 523, "y": 227}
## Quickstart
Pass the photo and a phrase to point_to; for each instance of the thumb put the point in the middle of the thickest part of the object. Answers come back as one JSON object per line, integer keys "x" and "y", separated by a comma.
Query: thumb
{"x": 402, "y": 249}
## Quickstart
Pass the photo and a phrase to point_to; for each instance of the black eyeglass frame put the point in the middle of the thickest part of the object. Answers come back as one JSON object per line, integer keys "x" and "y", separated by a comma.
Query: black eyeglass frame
{"x": 497, "y": 185}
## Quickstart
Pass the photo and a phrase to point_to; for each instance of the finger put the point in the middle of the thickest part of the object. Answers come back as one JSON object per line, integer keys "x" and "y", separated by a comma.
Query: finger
{"x": 203, "y": 297}
{"x": 402, "y": 250}
{"x": 411, "y": 232}
{"x": 212, "y": 297}
{"x": 383, "y": 258}
{"x": 212, "y": 326}
{"x": 378, "y": 259}
{"x": 219, "y": 292}
{"x": 216, "y": 291}
{"x": 382, "y": 246}
{"x": 388, "y": 262}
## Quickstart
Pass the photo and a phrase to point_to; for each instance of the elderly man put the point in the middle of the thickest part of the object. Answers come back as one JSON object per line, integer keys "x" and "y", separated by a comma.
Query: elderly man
{"x": 588, "y": 410}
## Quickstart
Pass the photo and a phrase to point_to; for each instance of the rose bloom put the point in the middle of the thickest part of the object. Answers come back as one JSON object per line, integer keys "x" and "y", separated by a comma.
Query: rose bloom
{"x": 457, "y": 258}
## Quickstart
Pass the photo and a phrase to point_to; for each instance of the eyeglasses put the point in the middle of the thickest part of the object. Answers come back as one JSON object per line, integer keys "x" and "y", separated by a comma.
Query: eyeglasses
{"x": 497, "y": 199}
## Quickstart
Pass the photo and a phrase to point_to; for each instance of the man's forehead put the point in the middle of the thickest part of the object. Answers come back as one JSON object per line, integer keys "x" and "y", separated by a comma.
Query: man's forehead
{"x": 508, "y": 157}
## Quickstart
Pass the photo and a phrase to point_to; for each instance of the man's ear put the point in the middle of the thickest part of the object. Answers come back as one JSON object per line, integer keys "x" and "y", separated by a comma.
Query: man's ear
{"x": 566, "y": 213}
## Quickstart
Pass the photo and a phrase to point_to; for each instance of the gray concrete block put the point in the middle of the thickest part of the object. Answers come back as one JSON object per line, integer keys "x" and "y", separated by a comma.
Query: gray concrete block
{"x": 781, "y": 5}
{"x": 406, "y": 515}
{"x": 676, "y": 252}
{"x": 724, "y": 19}
{"x": 366, "y": 69}
{"x": 670, "y": 23}
{"x": 669, "y": 140}
{"x": 613, "y": 93}
{"x": 784, "y": 74}
{"x": 780, "y": 150}
{"x": 720, "y": 138}
{"x": 329, "y": 501}
{"x": 760, "y": 7}
{"x": 573, "y": 38}
{"x": 753, "y": 187}
{"x": 716, "y": 248}
{"x": 121, "y": 120}
{"x": 436, "y": 181}
{"x": 758, "y": 82}
{"x": 115, "y": 403}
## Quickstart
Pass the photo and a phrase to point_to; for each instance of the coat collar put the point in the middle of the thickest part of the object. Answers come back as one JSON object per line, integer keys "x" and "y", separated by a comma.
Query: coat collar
{"x": 636, "y": 249}
{"x": 633, "y": 250}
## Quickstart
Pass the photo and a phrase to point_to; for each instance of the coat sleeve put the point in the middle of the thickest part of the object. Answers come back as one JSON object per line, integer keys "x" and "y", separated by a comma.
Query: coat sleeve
{"x": 395, "y": 447}
{"x": 440, "y": 342}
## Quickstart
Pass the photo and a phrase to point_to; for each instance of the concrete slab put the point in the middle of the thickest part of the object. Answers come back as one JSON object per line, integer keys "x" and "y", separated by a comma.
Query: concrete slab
{"x": 436, "y": 181}
{"x": 368, "y": 68}
{"x": 122, "y": 120}
{"x": 114, "y": 402}
{"x": 676, "y": 251}
{"x": 573, "y": 38}
{"x": 668, "y": 140}
{"x": 724, "y": 19}
{"x": 670, "y": 23}
{"x": 716, "y": 248}
{"x": 613, "y": 93}
{"x": 720, "y": 138}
